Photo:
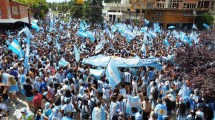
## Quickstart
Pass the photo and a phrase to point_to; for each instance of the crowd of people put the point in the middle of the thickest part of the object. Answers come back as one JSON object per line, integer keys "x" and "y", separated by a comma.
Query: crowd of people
{"x": 66, "y": 92}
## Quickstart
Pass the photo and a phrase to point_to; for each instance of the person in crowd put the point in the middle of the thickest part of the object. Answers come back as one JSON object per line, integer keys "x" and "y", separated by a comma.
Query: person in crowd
{"x": 26, "y": 115}
{"x": 160, "y": 109}
{"x": 60, "y": 83}
{"x": 146, "y": 108}
{"x": 29, "y": 92}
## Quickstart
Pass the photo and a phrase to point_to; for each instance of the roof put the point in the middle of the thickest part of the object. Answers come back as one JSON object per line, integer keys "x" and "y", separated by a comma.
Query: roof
{"x": 19, "y": 3}
{"x": 25, "y": 20}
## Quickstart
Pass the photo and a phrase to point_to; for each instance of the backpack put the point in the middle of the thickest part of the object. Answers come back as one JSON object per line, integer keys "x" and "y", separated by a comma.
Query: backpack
{"x": 92, "y": 105}
{"x": 155, "y": 94}
{"x": 85, "y": 114}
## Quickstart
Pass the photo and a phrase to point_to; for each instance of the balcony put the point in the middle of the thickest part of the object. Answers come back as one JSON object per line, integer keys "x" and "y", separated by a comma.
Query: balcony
{"x": 115, "y": 5}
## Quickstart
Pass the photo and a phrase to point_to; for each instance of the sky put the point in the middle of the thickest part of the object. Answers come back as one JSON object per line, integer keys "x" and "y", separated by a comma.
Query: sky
{"x": 56, "y": 0}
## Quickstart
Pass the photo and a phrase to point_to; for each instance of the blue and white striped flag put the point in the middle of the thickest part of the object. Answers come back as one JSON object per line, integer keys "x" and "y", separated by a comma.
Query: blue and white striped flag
{"x": 113, "y": 74}
{"x": 27, "y": 52}
{"x": 90, "y": 35}
{"x": 206, "y": 26}
{"x": 77, "y": 54}
{"x": 113, "y": 29}
{"x": 194, "y": 27}
{"x": 26, "y": 31}
{"x": 35, "y": 26}
{"x": 16, "y": 48}
{"x": 134, "y": 101}
{"x": 143, "y": 49}
{"x": 98, "y": 48}
{"x": 166, "y": 42}
{"x": 146, "y": 21}
{"x": 62, "y": 62}
{"x": 97, "y": 73}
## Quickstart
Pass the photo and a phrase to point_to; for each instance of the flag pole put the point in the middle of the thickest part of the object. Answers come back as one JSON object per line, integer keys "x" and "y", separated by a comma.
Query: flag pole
{"x": 108, "y": 63}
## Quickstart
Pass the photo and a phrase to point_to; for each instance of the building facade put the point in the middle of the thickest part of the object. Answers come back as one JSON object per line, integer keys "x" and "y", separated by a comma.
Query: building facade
{"x": 166, "y": 12}
{"x": 11, "y": 12}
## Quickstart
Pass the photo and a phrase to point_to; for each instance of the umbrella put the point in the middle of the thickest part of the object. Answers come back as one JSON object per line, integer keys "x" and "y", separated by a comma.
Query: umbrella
{"x": 171, "y": 27}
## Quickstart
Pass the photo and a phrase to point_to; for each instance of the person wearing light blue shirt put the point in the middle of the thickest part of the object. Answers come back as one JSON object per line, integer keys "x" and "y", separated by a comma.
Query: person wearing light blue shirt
{"x": 136, "y": 114}
{"x": 160, "y": 110}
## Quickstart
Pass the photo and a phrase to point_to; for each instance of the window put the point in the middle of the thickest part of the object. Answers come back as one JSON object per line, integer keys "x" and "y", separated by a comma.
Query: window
{"x": 189, "y": 5}
{"x": 149, "y": 5}
{"x": 212, "y": 4}
{"x": 160, "y": 5}
{"x": 173, "y": 5}
{"x": 15, "y": 10}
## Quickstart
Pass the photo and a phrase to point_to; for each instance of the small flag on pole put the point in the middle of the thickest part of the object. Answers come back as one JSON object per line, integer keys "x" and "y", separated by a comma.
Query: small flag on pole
{"x": 206, "y": 26}
{"x": 113, "y": 74}
{"x": 194, "y": 27}
{"x": 16, "y": 48}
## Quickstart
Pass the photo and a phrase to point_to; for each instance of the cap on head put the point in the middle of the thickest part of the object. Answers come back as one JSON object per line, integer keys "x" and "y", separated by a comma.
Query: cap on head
{"x": 23, "y": 110}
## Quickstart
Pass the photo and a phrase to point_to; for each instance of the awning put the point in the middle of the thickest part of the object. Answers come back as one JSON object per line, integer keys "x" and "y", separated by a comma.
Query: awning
{"x": 7, "y": 20}
{"x": 11, "y": 20}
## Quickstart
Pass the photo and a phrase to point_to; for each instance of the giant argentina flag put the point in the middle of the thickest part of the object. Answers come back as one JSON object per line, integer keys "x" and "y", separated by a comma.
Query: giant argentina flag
{"x": 15, "y": 47}
{"x": 113, "y": 74}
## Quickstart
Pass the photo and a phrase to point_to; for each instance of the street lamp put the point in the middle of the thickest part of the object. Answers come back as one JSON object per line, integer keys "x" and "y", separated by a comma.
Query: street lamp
{"x": 29, "y": 16}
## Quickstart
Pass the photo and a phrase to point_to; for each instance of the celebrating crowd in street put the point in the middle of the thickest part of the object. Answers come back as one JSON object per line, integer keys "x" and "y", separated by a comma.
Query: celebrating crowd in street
{"x": 116, "y": 71}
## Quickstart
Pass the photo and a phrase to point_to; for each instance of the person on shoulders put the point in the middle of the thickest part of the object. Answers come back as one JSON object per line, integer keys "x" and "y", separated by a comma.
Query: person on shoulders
{"x": 25, "y": 115}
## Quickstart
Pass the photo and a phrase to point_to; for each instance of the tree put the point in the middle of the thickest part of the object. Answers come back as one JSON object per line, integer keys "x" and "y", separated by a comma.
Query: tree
{"x": 204, "y": 18}
{"x": 63, "y": 7}
{"x": 92, "y": 11}
{"x": 76, "y": 10}
{"x": 198, "y": 62}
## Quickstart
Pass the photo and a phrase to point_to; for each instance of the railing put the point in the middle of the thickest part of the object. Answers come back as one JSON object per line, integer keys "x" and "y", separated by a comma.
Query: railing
{"x": 115, "y": 5}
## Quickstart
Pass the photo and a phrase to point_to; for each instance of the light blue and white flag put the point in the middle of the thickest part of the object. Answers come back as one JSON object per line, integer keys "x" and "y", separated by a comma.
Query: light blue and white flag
{"x": 206, "y": 26}
{"x": 162, "y": 111}
{"x": 82, "y": 34}
{"x": 152, "y": 33}
{"x": 134, "y": 101}
{"x": 146, "y": 21}
{"x": 185, "y": 92}
{"x": 166, "y": 42}
{"x": 97, "y": 73}
{"x": 109, "y": 33}
{"x": 27, "y": 52}
{"x": 113, "y": 74}
{"x": 98, "y": 48}
{"x": 16, "y": 48}
{"x": 143, "y": 49}
{"x": 90, "y": 36}
{"x": 35, "y": 26}
{"x": 113, "y": 29}
{"x": 194, "y": 27}
{"x": 129, "y": 35}
{"x": 77, "y": 54}
{"x": 26, "y": 31}
{"x": 62, "y": 62}
{"x": 102, "y": 61}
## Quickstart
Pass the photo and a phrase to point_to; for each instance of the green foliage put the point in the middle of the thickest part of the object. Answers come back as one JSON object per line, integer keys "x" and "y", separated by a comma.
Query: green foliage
{"x": 63, "y": 7}
{"x": 92, "y": 11}
{"x": 76, "y": 10}
{"x": 204, "y": 18}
